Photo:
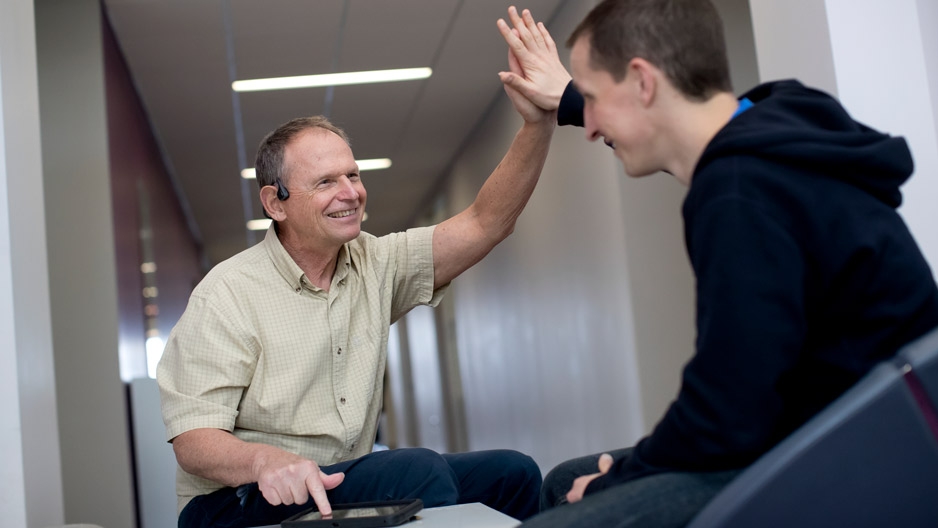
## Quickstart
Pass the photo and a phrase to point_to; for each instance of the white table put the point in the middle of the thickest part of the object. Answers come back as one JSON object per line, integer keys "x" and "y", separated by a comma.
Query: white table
{"x": 475, "y": 515}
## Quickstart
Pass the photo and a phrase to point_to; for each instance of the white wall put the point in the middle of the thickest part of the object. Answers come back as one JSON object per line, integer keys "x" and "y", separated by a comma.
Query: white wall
{"x": 11, "y": 434}
{"x": 880, "y": 59}
{"x": 96, "y": 464}
{"x": 29, "y": 442}
{"x": 740, "y": 45}
{"x": 928, "y": 22}
{"x": 883, "y": 80}
{"x": 792, "y": 39}
{"x": 156, "y": 461}
{"x": 543, "y": 324}
{"x": 429, "y": 409}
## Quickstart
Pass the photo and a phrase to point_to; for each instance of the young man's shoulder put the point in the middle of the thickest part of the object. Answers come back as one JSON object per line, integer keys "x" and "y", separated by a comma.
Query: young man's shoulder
{"x": 796, "y": 140}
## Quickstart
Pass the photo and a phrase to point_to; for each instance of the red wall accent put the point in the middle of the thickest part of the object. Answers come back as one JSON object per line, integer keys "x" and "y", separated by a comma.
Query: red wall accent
{"x": 135, "y": 157}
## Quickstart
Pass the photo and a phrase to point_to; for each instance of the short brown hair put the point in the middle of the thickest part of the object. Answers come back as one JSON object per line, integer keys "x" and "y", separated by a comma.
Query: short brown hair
{"x": 268, "y": 164}
{"x": 682, "y": 38}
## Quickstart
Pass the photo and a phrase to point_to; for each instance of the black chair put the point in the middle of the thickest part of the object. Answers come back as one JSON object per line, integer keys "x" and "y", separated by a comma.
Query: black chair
{"x": 922, "y": 357}
{"x": 868, "y": 459}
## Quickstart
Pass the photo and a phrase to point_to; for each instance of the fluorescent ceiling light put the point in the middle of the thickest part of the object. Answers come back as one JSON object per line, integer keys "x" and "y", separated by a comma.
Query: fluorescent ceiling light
{"x": 331, "y": 79}
{"x": 373, "y": 164}
{"x": 260, "y": 224}
{"x": 363, "y": 165}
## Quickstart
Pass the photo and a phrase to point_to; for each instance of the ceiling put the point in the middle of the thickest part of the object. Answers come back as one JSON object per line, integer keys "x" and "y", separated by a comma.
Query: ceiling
{"x": 184, "y": 54}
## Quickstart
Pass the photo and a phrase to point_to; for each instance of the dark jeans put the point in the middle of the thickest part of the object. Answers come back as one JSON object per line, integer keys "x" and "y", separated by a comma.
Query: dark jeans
{"x": 505, "y": 480}
{"x": 665, "y": 500}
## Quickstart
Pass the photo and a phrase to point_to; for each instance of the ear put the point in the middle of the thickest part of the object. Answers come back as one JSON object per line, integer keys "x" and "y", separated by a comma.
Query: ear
{"x": 646, "y": 77}
{"x": 271, "y": 203}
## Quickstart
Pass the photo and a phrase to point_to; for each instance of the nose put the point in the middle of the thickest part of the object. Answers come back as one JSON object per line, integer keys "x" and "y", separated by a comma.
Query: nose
{"x": 589, "y": 125}
{"x": 348, "y": 190}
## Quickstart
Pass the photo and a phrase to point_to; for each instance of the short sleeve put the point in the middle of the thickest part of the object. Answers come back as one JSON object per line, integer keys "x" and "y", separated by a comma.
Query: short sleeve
{"x": 204, "y": 370}
{"x": 411, "y": 254}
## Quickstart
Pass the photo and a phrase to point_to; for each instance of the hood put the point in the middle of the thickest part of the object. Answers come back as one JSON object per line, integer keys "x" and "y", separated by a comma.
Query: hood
{"x": 807, "y": 129}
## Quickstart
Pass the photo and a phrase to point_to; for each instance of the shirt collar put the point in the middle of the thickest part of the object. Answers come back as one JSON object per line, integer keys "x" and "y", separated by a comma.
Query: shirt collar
{"x": 291, "y": 271}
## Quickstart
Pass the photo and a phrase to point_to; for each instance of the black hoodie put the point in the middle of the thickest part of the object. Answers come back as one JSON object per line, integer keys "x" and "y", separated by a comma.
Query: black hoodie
{"x": 806, "y": 278}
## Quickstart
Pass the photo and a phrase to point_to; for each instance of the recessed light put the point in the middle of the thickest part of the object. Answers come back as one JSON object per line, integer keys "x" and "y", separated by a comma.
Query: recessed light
{"x": 331, "y": 79}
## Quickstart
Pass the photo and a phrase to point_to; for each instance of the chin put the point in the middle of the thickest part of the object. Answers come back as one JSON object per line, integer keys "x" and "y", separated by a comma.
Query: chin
{"x": 354, "y": 234}
{"x": 627, "y": 167}
{"x": 634, "y": 170}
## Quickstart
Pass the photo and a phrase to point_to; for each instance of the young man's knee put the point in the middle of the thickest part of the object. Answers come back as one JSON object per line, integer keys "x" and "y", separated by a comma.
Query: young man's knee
{"x": 564, "y": 473}
{"x": 558, "y": 482}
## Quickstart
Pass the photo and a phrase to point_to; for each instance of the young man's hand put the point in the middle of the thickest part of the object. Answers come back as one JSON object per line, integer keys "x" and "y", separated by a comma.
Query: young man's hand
{"x": 579, "y": 485}
{"x": 535, "y": 68}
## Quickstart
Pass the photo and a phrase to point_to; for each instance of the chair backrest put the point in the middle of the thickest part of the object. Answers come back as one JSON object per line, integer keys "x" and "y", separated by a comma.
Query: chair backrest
{"x": 868, "y": 459}
{"x": 921, "y": 373}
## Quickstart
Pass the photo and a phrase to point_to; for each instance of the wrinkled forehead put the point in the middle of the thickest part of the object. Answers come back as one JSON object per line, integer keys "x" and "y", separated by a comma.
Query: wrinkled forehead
{"x": 318, "y": 152}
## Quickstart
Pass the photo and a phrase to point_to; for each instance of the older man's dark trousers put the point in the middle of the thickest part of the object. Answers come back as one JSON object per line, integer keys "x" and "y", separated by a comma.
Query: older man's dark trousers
{"x": 504, "y": 480}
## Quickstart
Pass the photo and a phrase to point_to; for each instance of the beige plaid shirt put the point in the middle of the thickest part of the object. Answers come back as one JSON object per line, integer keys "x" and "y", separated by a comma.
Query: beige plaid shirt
{"x": 263, "y": 353}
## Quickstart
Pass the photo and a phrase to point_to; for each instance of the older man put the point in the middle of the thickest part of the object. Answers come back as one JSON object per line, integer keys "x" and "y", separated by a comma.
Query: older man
{"x": 271, "y": 382}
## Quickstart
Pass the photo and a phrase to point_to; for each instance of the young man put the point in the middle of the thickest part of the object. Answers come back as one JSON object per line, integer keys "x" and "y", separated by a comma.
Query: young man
{"x": 806, "y": 275}
{"x": 271, "y": 382}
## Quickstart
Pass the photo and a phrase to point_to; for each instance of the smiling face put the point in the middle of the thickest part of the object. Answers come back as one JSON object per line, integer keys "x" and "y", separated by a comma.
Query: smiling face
{"x": 327, "y": 197}
{"x": 615, "y": 111}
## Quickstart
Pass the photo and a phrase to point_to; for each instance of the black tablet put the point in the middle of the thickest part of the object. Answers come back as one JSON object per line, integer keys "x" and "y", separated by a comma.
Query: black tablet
{"x": 358, "y": 515}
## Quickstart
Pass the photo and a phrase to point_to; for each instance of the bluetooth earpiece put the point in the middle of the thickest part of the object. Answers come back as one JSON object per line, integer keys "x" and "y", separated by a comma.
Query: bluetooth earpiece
{"x": 282, "y": 192}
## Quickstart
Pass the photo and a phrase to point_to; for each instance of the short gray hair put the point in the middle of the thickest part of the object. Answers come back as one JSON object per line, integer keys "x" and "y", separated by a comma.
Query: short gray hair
{"x": 268, "y": 164}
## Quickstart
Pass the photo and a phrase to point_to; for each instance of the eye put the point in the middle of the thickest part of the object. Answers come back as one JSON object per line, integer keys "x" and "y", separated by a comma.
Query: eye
{"x": 354, "y": 176}
{"x": 325, "y": 182}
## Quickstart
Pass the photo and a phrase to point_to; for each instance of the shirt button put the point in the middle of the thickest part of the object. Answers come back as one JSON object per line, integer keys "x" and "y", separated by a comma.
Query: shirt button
{"x": 342, "y": 400}
{"x": 298, "y": 288}
{"x": 339, "y": 352}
